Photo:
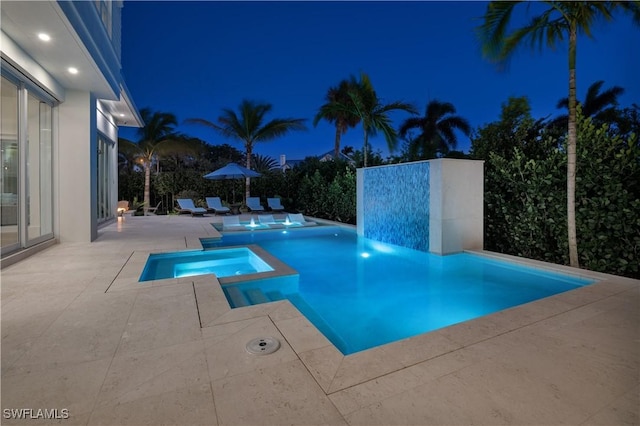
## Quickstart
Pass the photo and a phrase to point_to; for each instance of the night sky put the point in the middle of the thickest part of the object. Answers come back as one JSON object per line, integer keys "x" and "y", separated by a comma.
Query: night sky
{"x": 195, "y": 58}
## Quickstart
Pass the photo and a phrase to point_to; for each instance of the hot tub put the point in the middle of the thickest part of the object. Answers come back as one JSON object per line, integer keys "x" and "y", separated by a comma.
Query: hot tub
{"x": 222, "y": 263}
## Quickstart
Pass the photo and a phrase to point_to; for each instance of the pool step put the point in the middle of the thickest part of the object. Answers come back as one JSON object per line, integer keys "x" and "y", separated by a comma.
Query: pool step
{"x": 237, "y": 297}
{"x": 275, "y": 295}
{"x": 256, "y": 296}
{"x": 253, "y": 296}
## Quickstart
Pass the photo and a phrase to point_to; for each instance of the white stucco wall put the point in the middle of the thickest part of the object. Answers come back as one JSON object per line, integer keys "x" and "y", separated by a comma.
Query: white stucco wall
{"x": 77, "y": 144}
{"x": 456, "y": 220}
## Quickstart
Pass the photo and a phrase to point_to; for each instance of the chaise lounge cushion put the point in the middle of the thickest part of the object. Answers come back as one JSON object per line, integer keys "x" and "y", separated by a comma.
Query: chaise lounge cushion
{"x": 186, "y": 206}
{"x": 254, "y": 204}
{"x": 299, "y": 218}
{"x": 274, "y": 204}
{"x": 214, "y": 204}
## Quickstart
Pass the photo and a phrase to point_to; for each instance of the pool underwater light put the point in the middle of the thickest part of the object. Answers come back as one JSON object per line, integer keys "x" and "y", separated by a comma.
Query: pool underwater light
{"x": 365, "y": 255}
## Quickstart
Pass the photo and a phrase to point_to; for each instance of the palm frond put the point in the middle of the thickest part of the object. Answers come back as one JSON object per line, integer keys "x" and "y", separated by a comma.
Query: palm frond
{"x": 493, "y": 31}
{"x": 278, "y": 127}
{"x": 630, "y": 7}
{"x": 410, "y": 123}
{"x": 202, "y": 122}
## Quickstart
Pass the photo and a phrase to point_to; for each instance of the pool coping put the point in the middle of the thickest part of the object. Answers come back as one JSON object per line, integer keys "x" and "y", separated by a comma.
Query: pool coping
{"x": 335, "y": 372}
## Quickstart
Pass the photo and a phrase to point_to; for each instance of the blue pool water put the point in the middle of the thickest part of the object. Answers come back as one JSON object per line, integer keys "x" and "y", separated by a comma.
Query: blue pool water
{"x": 361, "y": 293}
{"x": 223, "y": 263}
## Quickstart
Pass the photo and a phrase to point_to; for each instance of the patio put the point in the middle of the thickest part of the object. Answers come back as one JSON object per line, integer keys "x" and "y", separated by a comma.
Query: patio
{"x": 79, "y": 333}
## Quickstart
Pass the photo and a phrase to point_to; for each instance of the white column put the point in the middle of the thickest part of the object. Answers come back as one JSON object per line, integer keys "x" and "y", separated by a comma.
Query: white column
{"x": 77, "y": 180}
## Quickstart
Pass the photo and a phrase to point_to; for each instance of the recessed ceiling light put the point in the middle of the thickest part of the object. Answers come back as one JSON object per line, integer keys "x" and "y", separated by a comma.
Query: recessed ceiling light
{"x": 44, "y": 37}
{"x": 72, "y": 70}
{"x": 121, "y": 115}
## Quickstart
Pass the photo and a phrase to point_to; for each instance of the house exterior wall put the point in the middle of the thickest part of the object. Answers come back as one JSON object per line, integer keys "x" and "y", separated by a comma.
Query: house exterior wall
{"x": 82, "y": 111}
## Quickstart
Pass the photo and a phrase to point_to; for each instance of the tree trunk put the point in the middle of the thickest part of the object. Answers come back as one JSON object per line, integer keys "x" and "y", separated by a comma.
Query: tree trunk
{"x": 364, "y": 148}
{"x": 571, "y": 154}
{"x": 336, "y": 146}
{"x": 147, "y": 186}
{"x": 247, "y": 192}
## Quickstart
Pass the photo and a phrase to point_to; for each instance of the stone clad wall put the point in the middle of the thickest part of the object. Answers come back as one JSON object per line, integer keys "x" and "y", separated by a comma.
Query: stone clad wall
{"x": 396, "y": 201}
{"x": 434, "y": 205}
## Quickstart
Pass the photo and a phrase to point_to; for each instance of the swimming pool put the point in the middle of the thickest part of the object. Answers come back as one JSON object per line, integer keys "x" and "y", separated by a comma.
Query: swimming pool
{"x": 223, "y": 263}
{"x": 361, "y": 293}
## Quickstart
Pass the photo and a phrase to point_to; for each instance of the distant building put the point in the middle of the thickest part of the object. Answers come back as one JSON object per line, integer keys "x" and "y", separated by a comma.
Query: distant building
{"x": 327, "y": 156}
{"x": 63, "y": 99}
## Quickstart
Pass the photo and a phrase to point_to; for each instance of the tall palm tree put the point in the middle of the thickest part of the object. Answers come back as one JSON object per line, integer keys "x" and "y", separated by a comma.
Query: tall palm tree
{"x": 597, "y": 104}
{"x": 373, "y": 114}
{"x": 334, "y": 113}
{"x": 156, "y": 137}
{"x": 437, "y": 128}
{"x": 562, "y": 19}
{"x": 248, "y": 126}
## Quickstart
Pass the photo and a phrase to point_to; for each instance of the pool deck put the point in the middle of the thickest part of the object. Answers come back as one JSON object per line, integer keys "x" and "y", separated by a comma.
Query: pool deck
{"x": 80, "y": 333}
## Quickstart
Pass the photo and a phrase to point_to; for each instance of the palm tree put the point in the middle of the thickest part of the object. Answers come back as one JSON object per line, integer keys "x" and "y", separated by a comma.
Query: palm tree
{"x": 561, "y": 19}
{"x": 374, "y": 115}
{"x": 437, "y": 128}
{"x": 248, "y": 126}
{"x": 157, "y": 136}
{"x": 334, "y": 113}
{"x": 597, "y": 104}
{"x": 157, "y": 132}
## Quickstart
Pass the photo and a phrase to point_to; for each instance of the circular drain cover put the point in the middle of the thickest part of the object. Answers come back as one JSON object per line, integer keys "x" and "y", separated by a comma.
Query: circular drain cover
{"x": 263, "y": 345}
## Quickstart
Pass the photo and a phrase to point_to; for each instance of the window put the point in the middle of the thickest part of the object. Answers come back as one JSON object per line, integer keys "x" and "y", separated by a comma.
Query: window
{"x": 106, "y": 209}
{"x": 104, "y": 11}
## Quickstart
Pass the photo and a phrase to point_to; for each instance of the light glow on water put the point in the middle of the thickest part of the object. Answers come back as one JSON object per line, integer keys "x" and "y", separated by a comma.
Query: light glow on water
{"x": 222, "y": 263}
{"x": 359, "y": 302}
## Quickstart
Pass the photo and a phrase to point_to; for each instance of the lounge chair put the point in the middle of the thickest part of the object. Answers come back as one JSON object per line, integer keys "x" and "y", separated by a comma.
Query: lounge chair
{"x": 254, "y": 204}
{"x": 186, "y": 206}
{"x": 267, "y": 219}
{"x": 214, "y": 204}
{"x": 154, "y": 209}
{"x": 232, "y": 223}
{"x": 274, "y": 204}
{"x": 299, "y": 218}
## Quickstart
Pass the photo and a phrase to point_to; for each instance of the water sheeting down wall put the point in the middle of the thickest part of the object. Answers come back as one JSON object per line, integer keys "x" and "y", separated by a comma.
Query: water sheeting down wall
{"x": 434, "y": 205}
{"x": 396, "y": 201}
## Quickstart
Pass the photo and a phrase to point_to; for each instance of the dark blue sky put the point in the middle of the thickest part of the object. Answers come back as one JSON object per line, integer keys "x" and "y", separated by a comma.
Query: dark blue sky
{"x": 195, "y": 58}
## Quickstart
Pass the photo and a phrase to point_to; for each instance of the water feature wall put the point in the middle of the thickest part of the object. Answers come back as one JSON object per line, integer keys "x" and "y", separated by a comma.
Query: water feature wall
{"x": 434, "y": 205}
{"x": 393, "y": 204}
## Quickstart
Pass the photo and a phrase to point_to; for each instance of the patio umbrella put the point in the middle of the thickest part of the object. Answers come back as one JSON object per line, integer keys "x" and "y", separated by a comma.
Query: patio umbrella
{"x": 232, "y": 171}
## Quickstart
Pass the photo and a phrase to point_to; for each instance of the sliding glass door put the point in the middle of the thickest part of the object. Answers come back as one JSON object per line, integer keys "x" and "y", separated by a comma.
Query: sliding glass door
{"x": 27, "y": 165}
{"x": 9, "y": 201}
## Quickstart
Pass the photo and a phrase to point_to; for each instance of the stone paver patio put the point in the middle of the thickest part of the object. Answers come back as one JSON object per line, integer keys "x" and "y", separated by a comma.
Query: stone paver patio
{"x": 80, "y": 333}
